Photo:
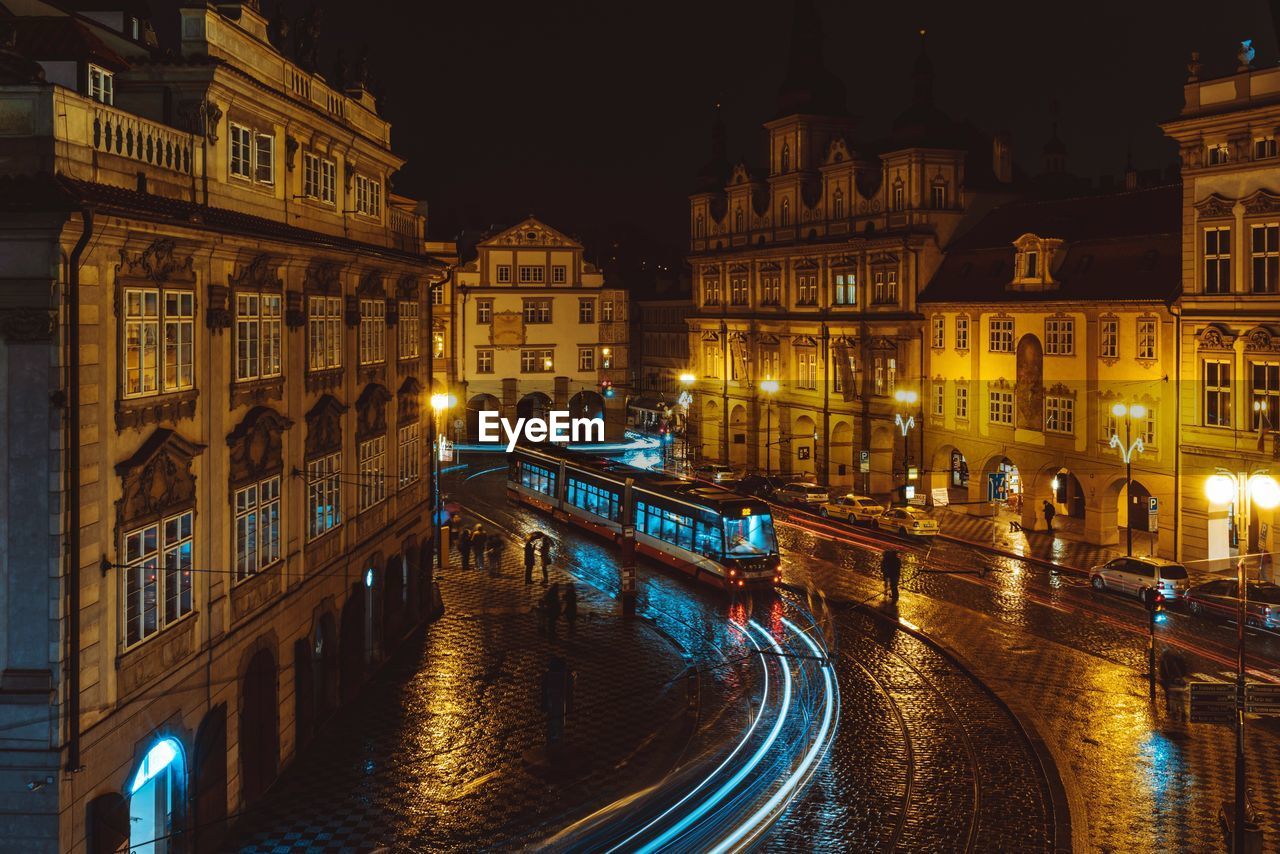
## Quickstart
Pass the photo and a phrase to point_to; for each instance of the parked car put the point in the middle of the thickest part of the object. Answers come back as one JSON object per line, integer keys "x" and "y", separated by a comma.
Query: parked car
{"x": 764, "y": 486}
{"x": 803, "y": 494}
{"x": 714, "y": 472}
{"x": 1220, "y": 598}
{"x": 907, "y": 521}
{"x": 854, "y": 509}
{"x": 1139, "y": 576}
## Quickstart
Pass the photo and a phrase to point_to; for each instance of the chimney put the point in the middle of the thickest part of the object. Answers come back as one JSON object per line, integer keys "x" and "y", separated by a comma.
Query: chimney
{"x": 1002, "y": 156}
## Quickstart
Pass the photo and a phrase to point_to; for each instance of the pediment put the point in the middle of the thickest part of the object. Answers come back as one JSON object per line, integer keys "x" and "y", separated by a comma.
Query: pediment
{"x": 531, "y": 232}
{"x": 157, "y": 479}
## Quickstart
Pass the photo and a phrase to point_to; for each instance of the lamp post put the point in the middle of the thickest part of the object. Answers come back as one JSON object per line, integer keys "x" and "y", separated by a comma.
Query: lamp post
{"x": 1261, "y": 489}
{"x": 1127, "y": 449}
{"x": 906, "y": 399}
{"x": 770, "y": 387}
{"x": 440, "y": 404}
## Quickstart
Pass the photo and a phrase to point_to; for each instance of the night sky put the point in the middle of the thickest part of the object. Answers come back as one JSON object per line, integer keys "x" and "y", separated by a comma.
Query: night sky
{"x": 596, "y": 115}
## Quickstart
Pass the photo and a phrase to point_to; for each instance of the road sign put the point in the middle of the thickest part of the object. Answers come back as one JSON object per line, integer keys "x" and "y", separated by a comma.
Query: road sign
{"x": 1213, "y": 702}
{"x": 997, "y": 487}
{"x": 1262, "y": 699}
{"x": 864, "y": 461}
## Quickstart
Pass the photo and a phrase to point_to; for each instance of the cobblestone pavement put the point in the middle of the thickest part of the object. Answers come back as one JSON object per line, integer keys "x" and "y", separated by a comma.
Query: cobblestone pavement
{"x": 1072, "y": 664}
{"x": 433, "y": 754}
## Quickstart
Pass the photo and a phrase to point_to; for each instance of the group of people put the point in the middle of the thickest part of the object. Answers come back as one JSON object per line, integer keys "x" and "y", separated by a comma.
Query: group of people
{"x": 479, "y": 545}
{"x": 554, "y": 605}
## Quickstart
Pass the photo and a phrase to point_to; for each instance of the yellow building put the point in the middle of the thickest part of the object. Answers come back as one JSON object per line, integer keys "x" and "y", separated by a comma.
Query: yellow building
{"x": 1230, "y": 307}
{"x": 538, "y": 328}
{"x": 1041, "y": 319}
{"x": 807, "y": 272}
{"x": 213, "y": 323}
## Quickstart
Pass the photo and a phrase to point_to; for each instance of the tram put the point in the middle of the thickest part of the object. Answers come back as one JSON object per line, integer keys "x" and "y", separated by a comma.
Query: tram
{"x": 716, "y": 536}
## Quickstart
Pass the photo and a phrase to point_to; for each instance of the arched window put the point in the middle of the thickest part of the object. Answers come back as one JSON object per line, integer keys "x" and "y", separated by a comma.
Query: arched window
{"x": 784, "y": 160}
{"x": 837, "y": 205}
{"x": 786, "y": 213}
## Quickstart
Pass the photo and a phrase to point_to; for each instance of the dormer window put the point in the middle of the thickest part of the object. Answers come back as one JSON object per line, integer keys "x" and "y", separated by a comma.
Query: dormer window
{"x": 1033, "y": 263}
{"x": 102, "y": 85}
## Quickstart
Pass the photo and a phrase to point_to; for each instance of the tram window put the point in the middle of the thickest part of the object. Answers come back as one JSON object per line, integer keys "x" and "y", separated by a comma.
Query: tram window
{"x": 750, "y": 535}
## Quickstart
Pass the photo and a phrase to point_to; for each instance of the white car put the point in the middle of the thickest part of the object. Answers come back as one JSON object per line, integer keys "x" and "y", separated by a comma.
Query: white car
{"x": 907, "y": 521}
{"x": 854, "y": 509}
{"x": 803, "y": 494}
{"x": 1138, "y": 576}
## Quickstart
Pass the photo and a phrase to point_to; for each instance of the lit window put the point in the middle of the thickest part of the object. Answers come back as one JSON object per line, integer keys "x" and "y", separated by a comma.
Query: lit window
{"x": 484, "y": 361}
{"x": 102, "y": 85}
{"x": 373, "y": 471}
{"x": 1217, "y": 393}
{"x": 586, "y": 311}
{"x": 147, "y": 312}
{"x": 1266, "y": 258}
{"x": 324, "y": 495}
{"x": 324, "y": 333}
{"x": 373, "y": 331}
{"x": 409, "y": 458}
{"x": 157, "y": 573}
{"x": 409, "y": 330}
{"x": 257, "y": 510}
{"x": 1217, "y": 259}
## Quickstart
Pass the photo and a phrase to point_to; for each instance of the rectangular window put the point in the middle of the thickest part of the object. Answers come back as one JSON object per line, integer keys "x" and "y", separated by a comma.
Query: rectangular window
{"x": 1059, "y": 414}
{"x": 324, "y": 494}
{"x": 537, "y": 311}
{"x": 962, "y": 332}
{"x": 1001, "y": 335}
{"x": 1266, "y": 258}
{"x": 606, "y": 311}
{"x": 586, "y": 359}
{"x": 939, "y": 331}
{"x": 531, "y": 275}
{"x": 241, "y": 151}
{"x": 147, "y": 312}
{"x": 373, "y": 331}
{"x": 1146, "y": 338}
{"x": 1000, "y": 408}
{"x": 324, "y": 333}
{"x": 258, "y": 342}
{"x": 257, "y": 511}
{"x": 938, "y": 196}
{"x": 1264, "y": 147}
{"x": 484, "y": 311}
{"x": 409, "y": 330}
{"x": 846, "y": 289}
{"x": 1217, "y": 393}
{"x": 158, "y": 570}
{"x": 484, "y": 361}
{"x": 807, "y": 289}
{"x": 1109, "y": 338}
{"x": 409, "y": 458}
{"x": 710, "y": 291}
{"x": 537, "y": 361}
{"x": 373, "y": 471}
{"x": 962, "y": 401}
{"x": 586, "y": 311}
{"x": 1217, "y": 259}
{"x": 1217, "y": 154}
{"x": 771, "y": 290}
{"x": 939, "y": 399}
{"x": 102, "y": 85}
{"x": 1265, "y": 384}
{"x": 504, "y": 273}
{"x": 1059, "y": 336}
{"x": 368, "y": 196}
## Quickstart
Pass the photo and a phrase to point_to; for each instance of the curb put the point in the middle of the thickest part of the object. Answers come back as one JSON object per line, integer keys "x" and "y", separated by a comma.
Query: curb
{"x": 1065, "y": 840}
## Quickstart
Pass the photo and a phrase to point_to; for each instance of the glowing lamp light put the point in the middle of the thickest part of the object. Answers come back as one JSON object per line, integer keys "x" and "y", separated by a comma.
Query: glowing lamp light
{"x": 157, "y": 759}
{"x": 1264, "y": 490}
{"x": 1219, "y": 489}
{"x": 904, "y": 396}
{"x": 687, "y": 378}
{"x": 769, "y": 386}
{"x": 368, "y": 577}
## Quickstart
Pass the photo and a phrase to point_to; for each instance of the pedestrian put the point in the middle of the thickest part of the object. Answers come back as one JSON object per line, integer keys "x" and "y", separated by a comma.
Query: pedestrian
{"x": 891, "y": 568}
{"x": 571, "y": 608}
{"x": 495, "y": 553}
{"x": 545, "y": 550}
{"x": 1049, "y": 513}
{"x": 464, "y": 546}
{"x": 530, "y": 556}
{"x": 479, "y": 539}
{"x": 1173, "y": 678}
{"x": 551, "y": 609}
{"x": 557, "y": 698}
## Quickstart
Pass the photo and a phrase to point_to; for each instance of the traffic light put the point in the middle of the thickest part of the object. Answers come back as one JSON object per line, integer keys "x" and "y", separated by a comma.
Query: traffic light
{"x": 606, "y": 388}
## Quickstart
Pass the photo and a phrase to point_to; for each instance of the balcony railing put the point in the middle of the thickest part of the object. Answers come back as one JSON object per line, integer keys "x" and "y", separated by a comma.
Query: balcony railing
{"x": 123, "y": 134}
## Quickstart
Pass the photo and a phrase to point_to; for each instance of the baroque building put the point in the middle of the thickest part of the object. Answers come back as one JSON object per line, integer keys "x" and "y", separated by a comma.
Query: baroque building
{"x": 537, "y": 329}
{"x": 215, "y": 325}
{"x": 807, "y": 272}
{"x": 1229, "y": 346}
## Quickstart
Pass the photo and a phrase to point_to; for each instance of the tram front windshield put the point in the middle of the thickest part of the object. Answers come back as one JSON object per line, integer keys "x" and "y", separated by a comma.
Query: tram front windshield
{"x": 750, "y": 536}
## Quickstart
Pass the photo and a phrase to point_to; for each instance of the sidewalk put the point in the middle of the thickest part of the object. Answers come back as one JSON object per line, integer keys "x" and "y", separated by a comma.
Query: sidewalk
{"x": 993, "y": 532}
{"x": 442, "y": 749}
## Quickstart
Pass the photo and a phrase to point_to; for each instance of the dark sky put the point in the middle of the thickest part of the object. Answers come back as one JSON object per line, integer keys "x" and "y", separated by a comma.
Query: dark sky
{"x": 595, "y": 115}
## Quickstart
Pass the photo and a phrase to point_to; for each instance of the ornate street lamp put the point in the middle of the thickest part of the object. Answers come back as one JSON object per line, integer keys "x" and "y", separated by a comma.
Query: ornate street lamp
{"x": 1127, "y": 449}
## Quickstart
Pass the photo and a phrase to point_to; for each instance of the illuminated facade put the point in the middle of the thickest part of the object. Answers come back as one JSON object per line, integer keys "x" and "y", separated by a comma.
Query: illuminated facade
{"x": 807, "y": 272}
{"x": 1230, "y": 340}
{"x": 537, "y": 328}
{"x": 208, "y": 272}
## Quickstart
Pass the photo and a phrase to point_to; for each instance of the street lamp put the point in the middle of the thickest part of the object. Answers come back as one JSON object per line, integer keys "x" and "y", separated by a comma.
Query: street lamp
{"x": 440, "y": 405}
{"x": 1127, "y": 449}
{"x": 770, "y": 387}
{"x": 906, "y": 399}
{"x": 1261, "y": 489}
